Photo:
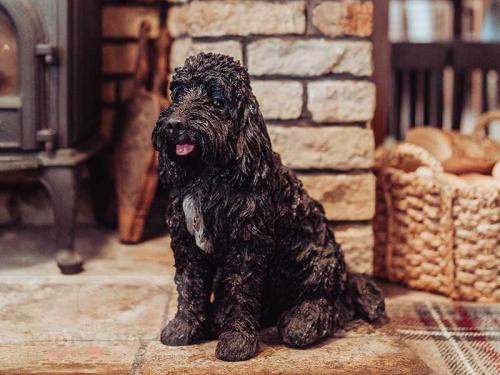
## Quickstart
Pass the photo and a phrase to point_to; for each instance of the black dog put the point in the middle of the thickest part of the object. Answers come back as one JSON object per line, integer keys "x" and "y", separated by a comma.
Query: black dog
{"x": 242, "y": 225}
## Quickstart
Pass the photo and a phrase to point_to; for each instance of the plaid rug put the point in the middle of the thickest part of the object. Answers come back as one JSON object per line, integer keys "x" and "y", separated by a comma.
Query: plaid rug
{"x": 453, "y": 338}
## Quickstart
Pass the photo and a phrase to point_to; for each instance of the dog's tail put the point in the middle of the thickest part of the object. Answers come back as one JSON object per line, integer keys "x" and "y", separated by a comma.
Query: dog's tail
{"x": 364, "y": 298}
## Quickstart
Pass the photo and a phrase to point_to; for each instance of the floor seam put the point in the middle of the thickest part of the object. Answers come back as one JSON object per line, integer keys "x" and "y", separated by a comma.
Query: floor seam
{"x": 136, "y": 368}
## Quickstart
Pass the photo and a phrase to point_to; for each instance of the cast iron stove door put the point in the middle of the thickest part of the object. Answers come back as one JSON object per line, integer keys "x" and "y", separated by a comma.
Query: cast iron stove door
{"x": 21, "y": 75}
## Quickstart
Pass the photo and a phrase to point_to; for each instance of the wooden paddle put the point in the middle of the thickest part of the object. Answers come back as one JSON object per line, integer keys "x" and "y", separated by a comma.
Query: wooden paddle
{"x": 135, "y": 161}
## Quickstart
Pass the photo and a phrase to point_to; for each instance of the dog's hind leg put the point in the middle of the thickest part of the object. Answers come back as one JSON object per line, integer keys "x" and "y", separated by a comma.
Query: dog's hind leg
{"x": 319, "y": 283}
{"x": 364, "y": 298}
{"x": 306, "y": 323}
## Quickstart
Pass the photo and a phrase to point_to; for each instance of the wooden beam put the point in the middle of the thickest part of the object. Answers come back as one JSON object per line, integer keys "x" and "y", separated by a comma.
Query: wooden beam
{"x": 382, "y": 68}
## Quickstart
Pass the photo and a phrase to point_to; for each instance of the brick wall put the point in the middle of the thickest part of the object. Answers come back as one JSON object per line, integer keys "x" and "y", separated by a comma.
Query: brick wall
{"x": 121, "y": 20}
{"x": 310, "y": 63}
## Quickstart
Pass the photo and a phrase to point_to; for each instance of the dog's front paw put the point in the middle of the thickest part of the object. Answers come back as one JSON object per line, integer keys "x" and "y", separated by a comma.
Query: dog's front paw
{"x": 236, "y": 346}
{"x": 306, "y": 323}
{"x": 180, "y": 331}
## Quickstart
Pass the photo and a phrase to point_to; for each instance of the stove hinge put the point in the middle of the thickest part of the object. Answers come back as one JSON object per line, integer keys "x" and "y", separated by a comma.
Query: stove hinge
{"x": 48, "y": 52}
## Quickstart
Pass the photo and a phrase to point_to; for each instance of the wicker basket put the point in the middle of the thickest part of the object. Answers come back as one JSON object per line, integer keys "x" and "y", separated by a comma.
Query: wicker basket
{"x": 435, "y": 232}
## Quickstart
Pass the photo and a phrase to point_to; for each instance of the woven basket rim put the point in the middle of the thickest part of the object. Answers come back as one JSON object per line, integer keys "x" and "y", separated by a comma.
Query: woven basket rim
{"x": 390, "y": 157}
{"x": 393, "y": 156}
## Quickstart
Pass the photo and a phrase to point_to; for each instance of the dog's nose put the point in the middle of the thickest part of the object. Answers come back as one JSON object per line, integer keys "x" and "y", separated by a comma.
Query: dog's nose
{"x": 174, "y": 124}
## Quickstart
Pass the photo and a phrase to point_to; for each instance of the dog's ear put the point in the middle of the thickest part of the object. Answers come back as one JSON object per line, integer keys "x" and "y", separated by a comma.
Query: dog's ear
{"x": 158, "y": 136}
{"x": 253, "y": 148}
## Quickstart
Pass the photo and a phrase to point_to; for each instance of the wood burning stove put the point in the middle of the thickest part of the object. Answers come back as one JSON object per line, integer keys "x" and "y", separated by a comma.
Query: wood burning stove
{"x": 50, "y": 100}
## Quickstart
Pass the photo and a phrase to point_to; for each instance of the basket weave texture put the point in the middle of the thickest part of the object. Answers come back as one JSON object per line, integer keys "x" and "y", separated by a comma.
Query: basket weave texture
{"x": 433, "y": 232}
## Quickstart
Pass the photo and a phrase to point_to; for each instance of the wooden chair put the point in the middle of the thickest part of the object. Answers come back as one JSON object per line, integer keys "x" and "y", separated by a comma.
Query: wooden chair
{"x": 409, "y": 76}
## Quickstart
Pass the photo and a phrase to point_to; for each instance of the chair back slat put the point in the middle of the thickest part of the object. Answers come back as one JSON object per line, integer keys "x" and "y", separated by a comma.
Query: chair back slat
{"x": 418, "y": 76}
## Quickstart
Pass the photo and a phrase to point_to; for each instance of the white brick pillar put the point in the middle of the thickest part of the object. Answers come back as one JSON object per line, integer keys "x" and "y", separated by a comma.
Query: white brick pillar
{"x": 311, "y": 64}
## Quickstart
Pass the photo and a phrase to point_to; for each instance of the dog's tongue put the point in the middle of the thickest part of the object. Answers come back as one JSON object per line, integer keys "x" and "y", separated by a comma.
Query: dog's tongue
{"x": 184, "y": 149}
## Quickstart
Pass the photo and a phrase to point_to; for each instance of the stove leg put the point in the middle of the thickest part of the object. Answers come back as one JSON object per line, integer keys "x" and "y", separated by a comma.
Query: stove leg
{"x": 62, "y": 184}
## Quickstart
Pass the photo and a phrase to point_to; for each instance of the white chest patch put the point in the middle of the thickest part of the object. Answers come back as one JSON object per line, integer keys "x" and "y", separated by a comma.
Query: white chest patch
{"x": 194, "y": 222}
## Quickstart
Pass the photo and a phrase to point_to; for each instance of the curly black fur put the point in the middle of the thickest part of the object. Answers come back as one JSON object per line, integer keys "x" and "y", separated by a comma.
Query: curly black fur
{"x": 242, "y": 225}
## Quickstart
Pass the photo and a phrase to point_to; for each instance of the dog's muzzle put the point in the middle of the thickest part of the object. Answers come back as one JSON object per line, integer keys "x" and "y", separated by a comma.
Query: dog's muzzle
{"x": 174, "y": 135}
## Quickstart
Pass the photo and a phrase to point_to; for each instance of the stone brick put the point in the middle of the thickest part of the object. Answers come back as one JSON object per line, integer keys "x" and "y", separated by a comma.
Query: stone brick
{"x": 119, "y": 58}
{"x": 340, "y": 148}
{"x": 346, "y": 17}
{"x": 108, "y": 90}
{"x": 125, "y": 21}
{"x": 217, "y": 18}
{"x": 344, "y": 197}
{"x": 183, "y": 48}
{"x": 357, "y": 243}
{"x": 279, "y": 99}
{"x": 337, "y": 101}
{"x": 309, "y": 57}
{"x": 178, "y": 20}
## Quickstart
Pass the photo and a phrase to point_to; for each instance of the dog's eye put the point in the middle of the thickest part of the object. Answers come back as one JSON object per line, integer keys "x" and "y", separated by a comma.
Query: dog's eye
{"x": 217, "y": 103}
{"x": 178, "y": 93}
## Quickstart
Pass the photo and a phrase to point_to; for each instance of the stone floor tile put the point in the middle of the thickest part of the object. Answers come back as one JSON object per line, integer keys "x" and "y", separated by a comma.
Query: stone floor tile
{"x": 108, "y": 318}
{"x": 75, "y": 312}
{"x": 96, "y": 357}
{"x": 31, "y": 252}
{"x": 379, "y": 355}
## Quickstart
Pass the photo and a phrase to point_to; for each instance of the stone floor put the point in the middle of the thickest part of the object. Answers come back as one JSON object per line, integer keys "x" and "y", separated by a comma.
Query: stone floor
{"x": 107, "y": 320}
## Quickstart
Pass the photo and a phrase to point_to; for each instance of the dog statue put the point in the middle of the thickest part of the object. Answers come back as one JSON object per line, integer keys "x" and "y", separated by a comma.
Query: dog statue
{"x": 242, "y": 225}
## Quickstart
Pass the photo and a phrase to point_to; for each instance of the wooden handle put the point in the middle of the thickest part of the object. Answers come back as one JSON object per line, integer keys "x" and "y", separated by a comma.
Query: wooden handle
{"x": 484, "y": 120}
{"x": 160, "y": 73}
{"x": 142, "y": 63}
